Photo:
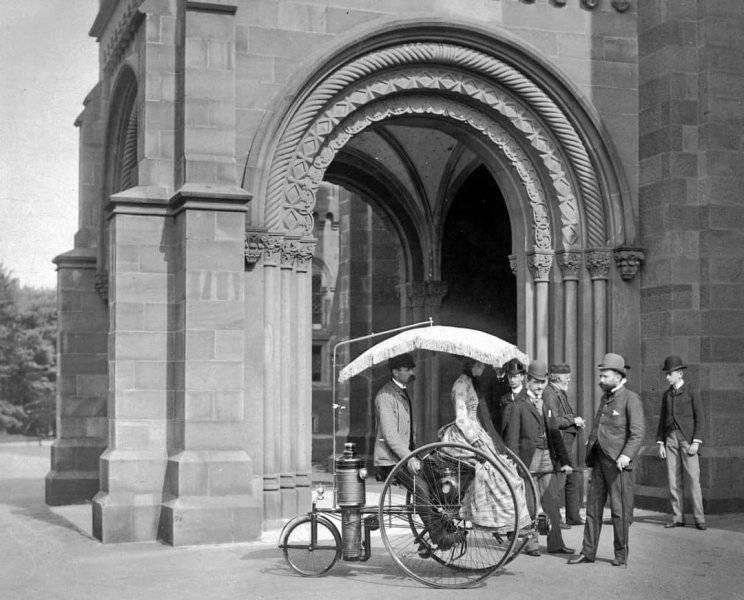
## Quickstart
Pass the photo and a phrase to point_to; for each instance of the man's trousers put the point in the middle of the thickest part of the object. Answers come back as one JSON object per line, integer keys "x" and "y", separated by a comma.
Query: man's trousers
{"x": 607, "y": 480}
{"x": 546, "y": 482}
{"x": 570, "y": 485}
{"x": 677, "y": 461}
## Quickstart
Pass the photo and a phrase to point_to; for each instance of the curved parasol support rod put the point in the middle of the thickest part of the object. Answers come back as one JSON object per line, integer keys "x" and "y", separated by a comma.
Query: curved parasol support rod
{"x": 334, "y": 405}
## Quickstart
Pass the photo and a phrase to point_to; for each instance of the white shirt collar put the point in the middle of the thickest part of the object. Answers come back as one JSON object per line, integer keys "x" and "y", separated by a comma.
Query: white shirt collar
{"x": 398, "y": 383}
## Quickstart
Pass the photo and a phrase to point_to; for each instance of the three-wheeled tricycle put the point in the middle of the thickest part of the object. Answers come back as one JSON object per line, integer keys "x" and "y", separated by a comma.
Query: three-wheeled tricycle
{"x": 414, "y": 503}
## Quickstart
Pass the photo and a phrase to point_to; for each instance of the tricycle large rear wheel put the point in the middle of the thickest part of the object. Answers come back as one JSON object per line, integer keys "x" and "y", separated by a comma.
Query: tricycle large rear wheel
{"x": 428, "y": 527}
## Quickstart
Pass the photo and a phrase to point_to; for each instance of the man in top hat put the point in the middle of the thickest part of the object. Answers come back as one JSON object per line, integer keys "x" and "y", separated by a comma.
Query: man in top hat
{"x": 615, "y": 439}
{"x": 556, "y": 398}
{"x": 514, "y": 374}
{"x": 395, "y": 439}
{"x": 534, "y": 436}
{"x": 681, "y": 423}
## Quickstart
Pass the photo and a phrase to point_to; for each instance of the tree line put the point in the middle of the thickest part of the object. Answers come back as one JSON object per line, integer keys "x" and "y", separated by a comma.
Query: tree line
{"x": 28, "y": 357}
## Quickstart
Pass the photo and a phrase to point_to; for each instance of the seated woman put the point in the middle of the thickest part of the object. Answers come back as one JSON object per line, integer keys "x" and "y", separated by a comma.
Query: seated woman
{"x": 487, "y": 501}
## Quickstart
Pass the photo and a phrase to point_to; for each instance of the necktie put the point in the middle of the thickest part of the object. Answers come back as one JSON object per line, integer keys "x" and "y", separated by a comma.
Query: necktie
{"x": 411, "y": 445}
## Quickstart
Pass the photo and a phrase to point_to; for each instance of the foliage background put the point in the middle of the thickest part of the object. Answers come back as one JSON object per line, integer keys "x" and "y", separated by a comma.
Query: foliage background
{"x": 28, "y": 357}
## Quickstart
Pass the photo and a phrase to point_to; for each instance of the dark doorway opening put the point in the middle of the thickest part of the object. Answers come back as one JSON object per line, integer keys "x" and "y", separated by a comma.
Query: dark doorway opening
{"x": 482, "y": 291}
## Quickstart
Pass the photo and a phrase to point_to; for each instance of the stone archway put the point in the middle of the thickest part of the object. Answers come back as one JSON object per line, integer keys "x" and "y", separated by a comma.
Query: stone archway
{"x": 564, "y": 186}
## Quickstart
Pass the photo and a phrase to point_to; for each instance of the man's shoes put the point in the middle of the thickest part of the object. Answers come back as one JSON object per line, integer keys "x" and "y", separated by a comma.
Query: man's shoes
{"x": 616, "y": 562}
{"x": 562, "y": 550}
{"x": 575, "y": 521}
{"x": 701, "y": 526}
{"x": 673, "y": 524}
{"x": 581, "y": 558}
{"x": 532, "y": 552}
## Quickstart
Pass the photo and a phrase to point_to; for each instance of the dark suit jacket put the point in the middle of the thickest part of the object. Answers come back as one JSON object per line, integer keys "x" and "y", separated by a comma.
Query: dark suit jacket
{"x": 393, "y": 416}
{"x": 524, "y": 429}
{"x": 618, "y": 426}
{"x": 561, "y": 408}
{"x": 505, "y": 408}
{"x": 686, "y": 408}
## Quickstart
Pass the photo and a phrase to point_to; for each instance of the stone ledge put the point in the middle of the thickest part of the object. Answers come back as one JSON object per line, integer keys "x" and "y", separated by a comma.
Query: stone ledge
{"x": 70, "y": 487}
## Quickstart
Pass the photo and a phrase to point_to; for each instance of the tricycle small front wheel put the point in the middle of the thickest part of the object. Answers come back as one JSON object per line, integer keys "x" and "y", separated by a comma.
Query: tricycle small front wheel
{"x": 311, "y": 545}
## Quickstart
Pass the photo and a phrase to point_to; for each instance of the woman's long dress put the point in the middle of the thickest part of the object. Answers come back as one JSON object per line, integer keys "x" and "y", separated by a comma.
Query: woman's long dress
{"x": 487, "y": 502}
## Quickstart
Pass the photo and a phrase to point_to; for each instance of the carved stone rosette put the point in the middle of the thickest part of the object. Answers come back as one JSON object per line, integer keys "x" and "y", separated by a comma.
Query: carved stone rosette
{"x": 628, "y": 261}
{"x": 570, "y": 265}
{"x": 598, "y": 263}
{"x": 620, "y": 5}
{"x": 540, "y": 264}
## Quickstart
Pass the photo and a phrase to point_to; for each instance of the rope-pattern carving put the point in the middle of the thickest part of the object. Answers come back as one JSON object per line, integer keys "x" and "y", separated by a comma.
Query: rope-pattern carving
{"x": 441, "y": 54}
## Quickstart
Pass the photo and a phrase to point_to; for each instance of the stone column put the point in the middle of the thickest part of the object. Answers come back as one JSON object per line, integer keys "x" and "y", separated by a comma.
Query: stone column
{"x": 272, "y": 249}
{"x": 302, "y": 377}
{"x": 132, "y": 469}
{"x": 570, "y": 265}
{"x": 435, "y": 292}
{"x": 82, "y": 381}
{"x": 540, "y": 264}
{"x": 598, "y": 264}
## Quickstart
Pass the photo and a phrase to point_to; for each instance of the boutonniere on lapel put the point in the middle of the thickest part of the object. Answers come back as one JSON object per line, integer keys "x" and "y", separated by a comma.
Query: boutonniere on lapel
{"x": 550, "y": 413}
{"x": 615, "y": 413}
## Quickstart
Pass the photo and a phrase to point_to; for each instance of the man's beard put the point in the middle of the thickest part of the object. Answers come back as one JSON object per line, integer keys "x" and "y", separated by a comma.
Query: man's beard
{"x": 607, "y": 387}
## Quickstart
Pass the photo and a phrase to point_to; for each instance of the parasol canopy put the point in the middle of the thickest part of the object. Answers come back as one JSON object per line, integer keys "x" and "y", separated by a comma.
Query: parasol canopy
{"x": 478, "y": 345}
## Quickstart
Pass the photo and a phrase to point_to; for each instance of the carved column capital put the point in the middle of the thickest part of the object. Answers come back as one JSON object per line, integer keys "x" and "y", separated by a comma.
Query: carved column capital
{"x": 598, "y": 263}
{"x": 414, "y": 293}
{"x": 288, "y": 254}
{"x": 628, "y": 261}
{"x": 263, "y": 247}
{"x": 435, "y": 293}
{"x": 540, "y": 264}
{"x": 304, "y": 258}
{"x": 570, "y": 265}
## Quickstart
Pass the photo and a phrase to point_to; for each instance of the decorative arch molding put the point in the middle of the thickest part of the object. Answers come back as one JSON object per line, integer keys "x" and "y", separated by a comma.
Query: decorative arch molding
{"x": 284, "y": 189}
{"x": 440, "y": 107}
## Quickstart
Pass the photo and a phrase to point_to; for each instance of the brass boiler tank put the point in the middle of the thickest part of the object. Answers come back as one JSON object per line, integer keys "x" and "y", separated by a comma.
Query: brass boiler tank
{"x": 350, "y": 496}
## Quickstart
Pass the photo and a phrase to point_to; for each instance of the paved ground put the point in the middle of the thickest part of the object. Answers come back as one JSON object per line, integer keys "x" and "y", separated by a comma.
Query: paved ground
{"x": 48, "y": 553}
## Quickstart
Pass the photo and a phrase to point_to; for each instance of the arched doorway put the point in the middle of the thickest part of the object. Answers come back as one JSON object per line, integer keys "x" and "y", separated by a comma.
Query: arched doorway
{"x": 502, "y": 109}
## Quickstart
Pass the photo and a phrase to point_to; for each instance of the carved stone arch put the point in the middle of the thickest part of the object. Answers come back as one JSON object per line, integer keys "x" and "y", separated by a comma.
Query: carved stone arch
{"x": 283, "y": 193}
{"x": 121, "y": 154}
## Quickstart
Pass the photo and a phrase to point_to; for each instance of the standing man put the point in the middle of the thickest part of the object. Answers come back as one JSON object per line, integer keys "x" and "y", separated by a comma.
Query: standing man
{"x": 395, "y": 439}
{"x": 514, "y": 373}
{"x": 616, "y": 437}
{"x": 534, "y": 436}
{"x": 556, "y": 398}
{"x": 681, "y": 424}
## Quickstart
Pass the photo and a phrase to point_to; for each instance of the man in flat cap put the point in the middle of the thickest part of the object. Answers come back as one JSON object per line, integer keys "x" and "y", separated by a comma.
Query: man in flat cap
{"x": 395, "y": 439}
{"x": 556, "y": 398}
{"x": 615, "y": 439}
{"x": 534, "y": 436}
{"x": 514, "y": 374}
{"x": 681, "y": 423}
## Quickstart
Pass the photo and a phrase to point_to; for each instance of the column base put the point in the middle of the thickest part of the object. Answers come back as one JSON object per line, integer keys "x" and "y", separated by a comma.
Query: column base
{"x": 206, "y": 520}
{"x": 126, "y": 517}
{"x": 73, "y": 477}
{"x": 70, "y": 487}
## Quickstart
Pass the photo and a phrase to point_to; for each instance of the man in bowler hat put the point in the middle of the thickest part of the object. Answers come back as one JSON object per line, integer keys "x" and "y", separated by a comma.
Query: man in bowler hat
{"x": 514, "y": 374}
{"x": 615, "y": 439}
{"x": 556, "y": 398}
{"x": 681, "y": 422}
{"x": 534, "y": 436}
